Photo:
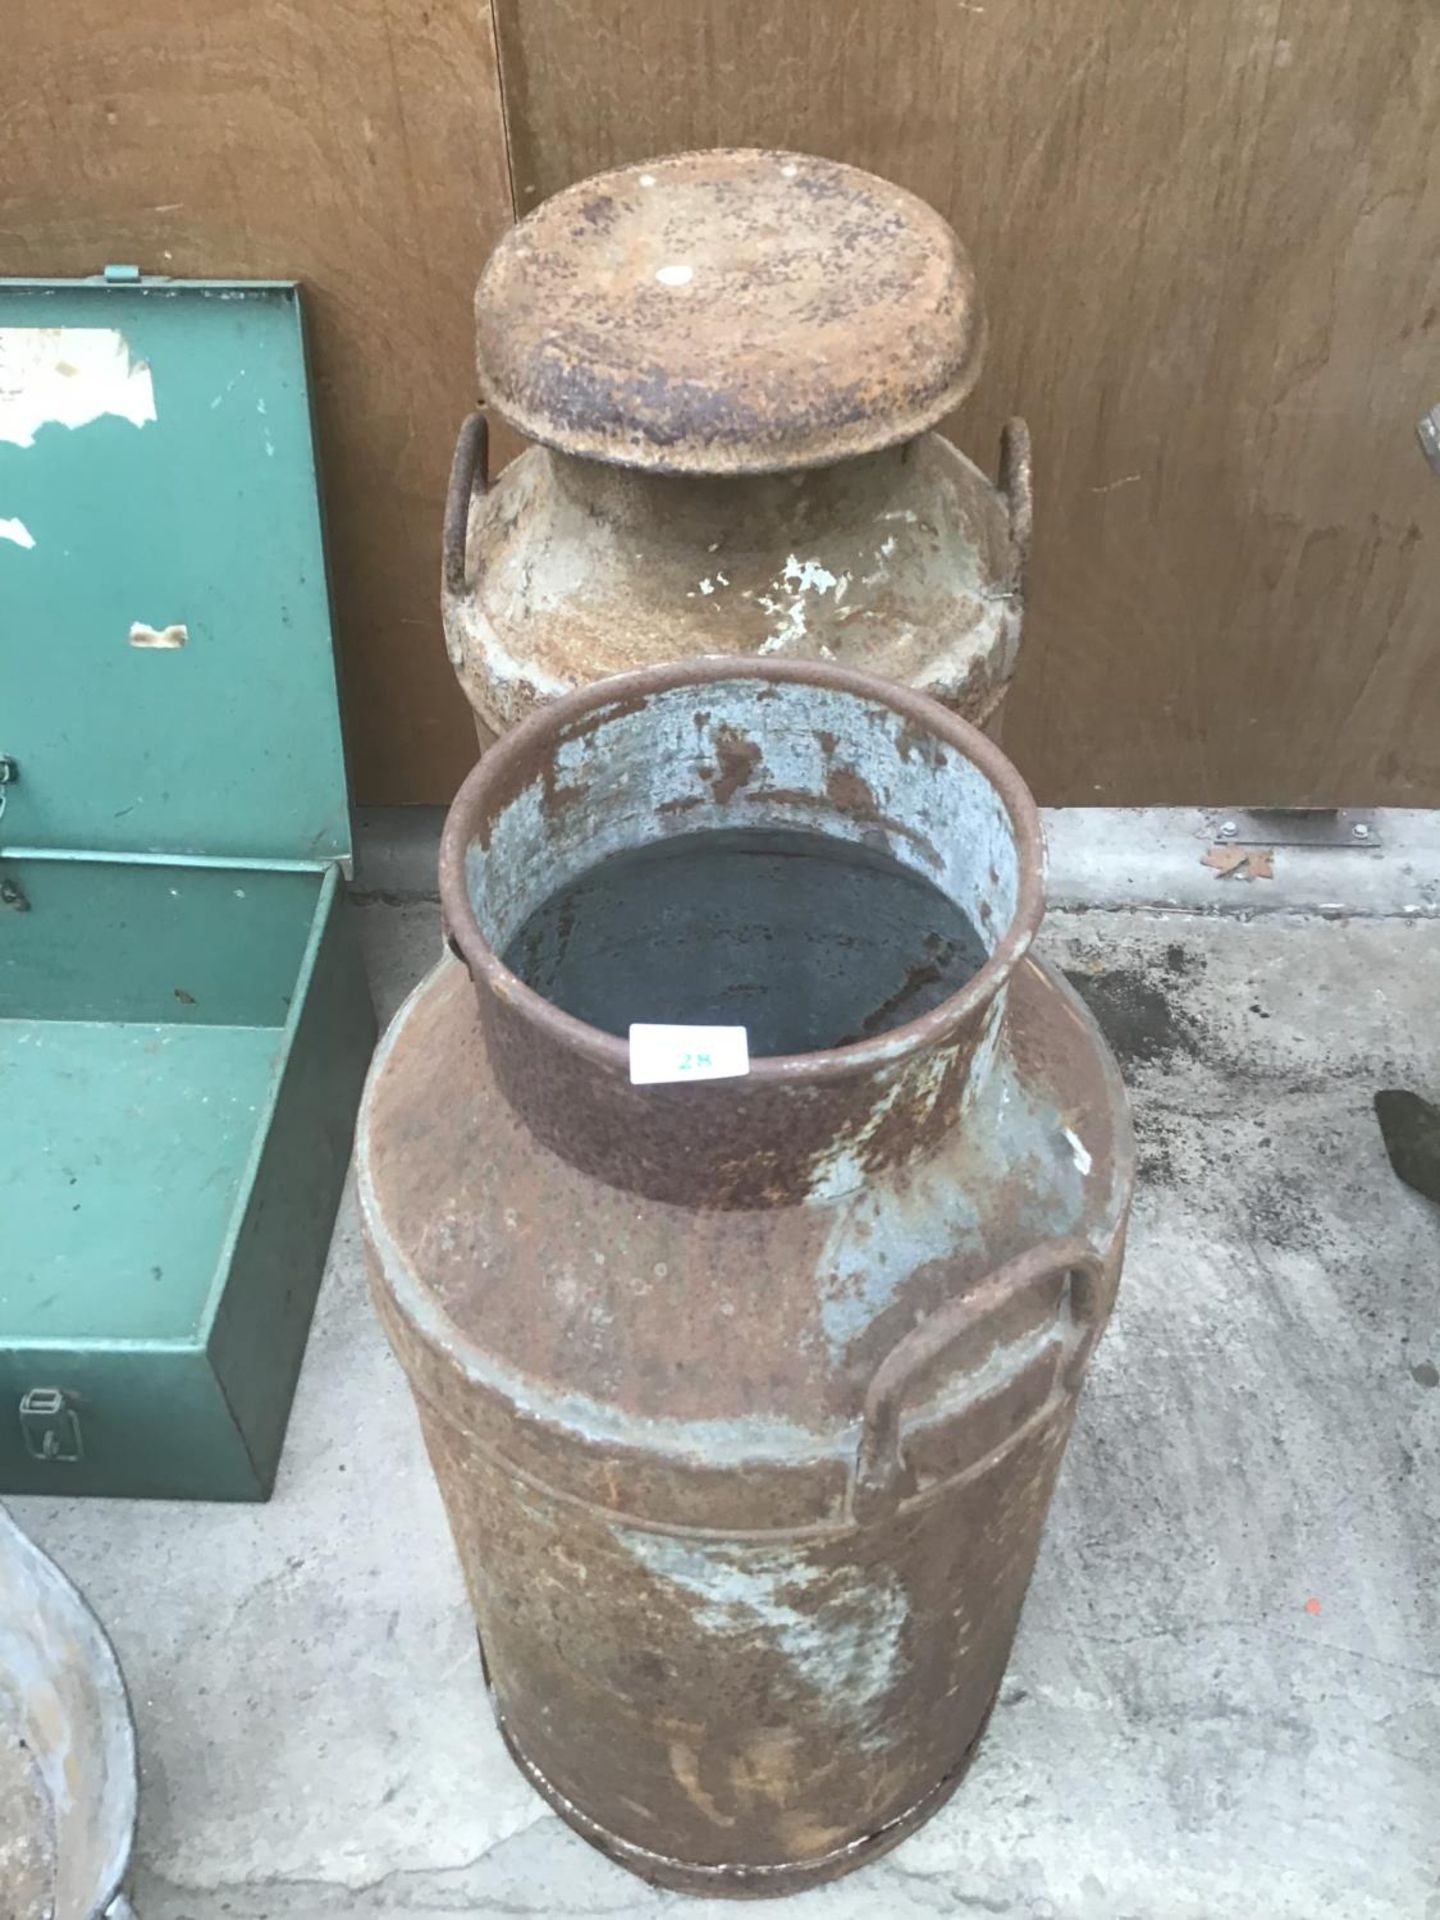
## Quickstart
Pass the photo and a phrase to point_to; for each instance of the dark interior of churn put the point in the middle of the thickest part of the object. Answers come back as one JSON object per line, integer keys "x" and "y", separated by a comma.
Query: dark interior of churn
{"x": 804, "y": 940}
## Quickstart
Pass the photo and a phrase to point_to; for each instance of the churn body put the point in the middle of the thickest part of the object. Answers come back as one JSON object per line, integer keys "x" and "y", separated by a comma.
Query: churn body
{"x": 731, "y": 364}
{"x": 746, "y": 1397}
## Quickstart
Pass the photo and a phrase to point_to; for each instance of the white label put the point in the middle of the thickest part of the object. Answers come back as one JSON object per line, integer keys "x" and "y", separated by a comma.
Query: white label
{"x": 660, "y": 1053}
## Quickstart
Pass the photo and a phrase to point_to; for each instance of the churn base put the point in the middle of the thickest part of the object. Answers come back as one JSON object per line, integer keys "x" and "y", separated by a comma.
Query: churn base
{"x": 738, "y": 1882}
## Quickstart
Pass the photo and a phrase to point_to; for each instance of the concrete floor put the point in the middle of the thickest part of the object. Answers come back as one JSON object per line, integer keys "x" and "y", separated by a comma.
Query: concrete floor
{"x": 1225, "y": 1697}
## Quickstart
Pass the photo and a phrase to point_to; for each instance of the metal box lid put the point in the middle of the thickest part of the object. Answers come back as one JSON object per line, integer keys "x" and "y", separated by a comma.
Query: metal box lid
{"x": 167, "y": 684}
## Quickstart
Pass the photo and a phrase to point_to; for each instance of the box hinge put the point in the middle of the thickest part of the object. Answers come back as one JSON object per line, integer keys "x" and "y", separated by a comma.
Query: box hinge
{"x": 12, "y": 894}
{"x": 50, "y": 1425}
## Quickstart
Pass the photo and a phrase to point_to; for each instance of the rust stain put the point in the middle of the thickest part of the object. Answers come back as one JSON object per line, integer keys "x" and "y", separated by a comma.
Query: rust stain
{"x": 915, "y": 740}
{"x": 738, "y": 760}
{"x": 924, "y": 973}
{"x": 585, "y": 726}
{"x": 847, "y": 792}
{"x": 850, "y": 793}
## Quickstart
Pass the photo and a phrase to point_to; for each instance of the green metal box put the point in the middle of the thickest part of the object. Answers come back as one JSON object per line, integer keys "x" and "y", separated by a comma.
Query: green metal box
{"x": 184, "y": 1018}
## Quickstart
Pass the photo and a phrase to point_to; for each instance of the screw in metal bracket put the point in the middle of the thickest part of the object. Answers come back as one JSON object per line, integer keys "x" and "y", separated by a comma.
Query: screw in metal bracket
{"x": 1428, "y": 434}
{"x": 1360, "y": 831}
{"x": 1228, "y": 829}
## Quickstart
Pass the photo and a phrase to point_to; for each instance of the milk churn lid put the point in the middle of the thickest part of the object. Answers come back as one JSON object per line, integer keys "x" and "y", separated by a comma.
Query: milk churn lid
{"x": 729, "y": 311}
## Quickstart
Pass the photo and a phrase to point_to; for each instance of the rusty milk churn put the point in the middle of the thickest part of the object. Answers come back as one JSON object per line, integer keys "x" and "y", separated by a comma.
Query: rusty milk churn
{"x": 746, "y": 1396}
{"x": 732, "y": 363}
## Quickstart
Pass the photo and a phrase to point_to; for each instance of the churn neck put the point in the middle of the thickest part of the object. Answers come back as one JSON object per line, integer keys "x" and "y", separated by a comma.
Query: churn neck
{"x": 704, "y": 748}
{"x": 723, "y": 513}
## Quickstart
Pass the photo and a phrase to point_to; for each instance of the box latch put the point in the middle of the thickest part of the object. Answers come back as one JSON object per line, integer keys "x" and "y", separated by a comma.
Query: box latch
{"x": 50, "y": 1425}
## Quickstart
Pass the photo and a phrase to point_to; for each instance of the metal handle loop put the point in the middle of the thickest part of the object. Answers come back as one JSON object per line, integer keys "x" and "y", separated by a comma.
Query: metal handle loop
{"x": 882, "y": 1476}
{"x": 1016, "y": 482}
{"x": 469, "y": 477}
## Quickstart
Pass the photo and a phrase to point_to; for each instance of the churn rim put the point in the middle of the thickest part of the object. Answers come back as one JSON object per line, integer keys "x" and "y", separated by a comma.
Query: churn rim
{"x": 825, "y": 1063}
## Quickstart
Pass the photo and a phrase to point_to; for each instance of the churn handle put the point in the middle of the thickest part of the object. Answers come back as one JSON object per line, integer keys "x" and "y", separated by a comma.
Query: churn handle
{"x": 469, "y": 477}
{"x": 882, "y": 1477}
{"x": 1018, "y": 488}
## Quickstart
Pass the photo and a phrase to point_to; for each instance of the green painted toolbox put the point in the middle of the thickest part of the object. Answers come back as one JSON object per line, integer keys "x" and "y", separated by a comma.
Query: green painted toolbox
{"x": 184, "y": 1018}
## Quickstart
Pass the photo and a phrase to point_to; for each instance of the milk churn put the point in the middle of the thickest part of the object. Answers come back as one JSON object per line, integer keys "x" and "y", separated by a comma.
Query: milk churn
{"x": 732, "y": 363}
{"x": 746, "y": 1395}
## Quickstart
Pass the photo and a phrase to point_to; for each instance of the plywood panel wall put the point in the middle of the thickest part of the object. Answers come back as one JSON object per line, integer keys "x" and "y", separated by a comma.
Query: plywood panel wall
{"x": 1208, "y": 240}
{"x": 355, "y": 145}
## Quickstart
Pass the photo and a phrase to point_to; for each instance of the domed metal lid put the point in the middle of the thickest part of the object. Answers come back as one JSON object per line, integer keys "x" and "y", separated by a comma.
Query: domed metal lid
{"x": 731, "y": 311}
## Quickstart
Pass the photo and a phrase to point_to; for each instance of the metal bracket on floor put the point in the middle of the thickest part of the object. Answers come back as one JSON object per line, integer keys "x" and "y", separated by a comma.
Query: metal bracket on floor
{"x": 1357, "y": 829}
{"x": 1302, "y": 860}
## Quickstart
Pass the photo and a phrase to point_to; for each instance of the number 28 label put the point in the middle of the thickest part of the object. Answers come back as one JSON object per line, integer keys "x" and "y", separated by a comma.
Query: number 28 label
{"x": 662, "y": 1053}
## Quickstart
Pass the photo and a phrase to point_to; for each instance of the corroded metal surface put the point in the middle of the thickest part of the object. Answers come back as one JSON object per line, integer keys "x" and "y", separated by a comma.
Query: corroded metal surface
{"x": 741, "y": 461}
{"x": 730, "y": 311}
{"x": 27, "y": 1836}
{"x": 908, "y": 563}
{"x": 63, "y": 1707}
{"x": 746, "y": 1399}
